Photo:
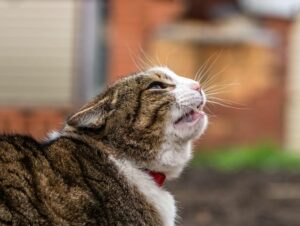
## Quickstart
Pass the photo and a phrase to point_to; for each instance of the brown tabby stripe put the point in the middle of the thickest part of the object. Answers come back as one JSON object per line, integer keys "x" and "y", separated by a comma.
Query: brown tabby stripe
{"x": 106, "y": 192}
{"x": 154, "y": 115}
{"x": 163, "y": 76}
{"x": 15, "y": 188}
{"x": 91, "y": 188}
{"x": 137, "y": 109}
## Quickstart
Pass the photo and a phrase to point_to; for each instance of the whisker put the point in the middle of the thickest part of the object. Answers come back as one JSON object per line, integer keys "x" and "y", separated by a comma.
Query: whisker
{"x": 225, "y": 85}
{"x": 212, "y": 64}
{"x": 216, "y": 94}
{"x": 214, "y": 76}
{"x": 215, "y": 90}
{"x": 226, "y": 101}
{"x": 205, "y": 72}
{"x": 144, "y": 63}
{"x": 157, "y": 59}
{"x": 144, "y": 54}
{"x": 218, "y": 98}
{"x": 225, "y": 105}
{"x": 218, "y": 103}
{"x": 208, "y": 109}
{"x": 225, "y": 89}
{"x": 133, "y": 59}
{"x": 199, "y": 74}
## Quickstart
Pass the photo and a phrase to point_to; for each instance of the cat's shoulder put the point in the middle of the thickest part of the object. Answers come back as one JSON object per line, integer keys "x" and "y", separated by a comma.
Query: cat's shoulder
{"x": 14, "y": 147}
{"x": 17, "y": 138}
{"x": 19, "y": 141}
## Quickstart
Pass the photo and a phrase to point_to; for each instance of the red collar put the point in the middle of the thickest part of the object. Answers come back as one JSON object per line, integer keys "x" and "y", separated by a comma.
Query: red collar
{"x": 158, "y": 177}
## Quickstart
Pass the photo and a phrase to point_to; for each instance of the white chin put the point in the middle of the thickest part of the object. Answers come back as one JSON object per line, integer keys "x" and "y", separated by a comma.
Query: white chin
{"x": 193, "y": 129}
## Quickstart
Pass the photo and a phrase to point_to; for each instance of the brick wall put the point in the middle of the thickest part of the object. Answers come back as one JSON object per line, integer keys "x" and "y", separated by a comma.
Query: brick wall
{"x": 130, "y": 28}
{"x": 37, "y": 122}
{"x": 36, "y": 64}
{"x": 131, "y": 23}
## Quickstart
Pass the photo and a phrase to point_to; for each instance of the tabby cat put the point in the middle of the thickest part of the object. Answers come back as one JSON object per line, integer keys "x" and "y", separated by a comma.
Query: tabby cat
{"x": 108, "y": 164}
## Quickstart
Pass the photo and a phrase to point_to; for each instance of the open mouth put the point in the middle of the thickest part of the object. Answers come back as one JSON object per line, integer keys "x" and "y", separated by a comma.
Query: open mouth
{"x": 191, "y": 116}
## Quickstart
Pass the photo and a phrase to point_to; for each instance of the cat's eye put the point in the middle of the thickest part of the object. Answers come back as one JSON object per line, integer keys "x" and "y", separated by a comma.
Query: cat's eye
{"x": 157, "y": 85}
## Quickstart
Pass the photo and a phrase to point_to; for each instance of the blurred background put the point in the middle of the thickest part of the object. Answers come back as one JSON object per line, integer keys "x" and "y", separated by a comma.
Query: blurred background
{"x": 55, "y": 55}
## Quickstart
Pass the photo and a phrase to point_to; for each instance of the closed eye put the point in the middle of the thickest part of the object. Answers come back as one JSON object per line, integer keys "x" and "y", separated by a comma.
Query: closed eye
{"x": 157, "y": 85}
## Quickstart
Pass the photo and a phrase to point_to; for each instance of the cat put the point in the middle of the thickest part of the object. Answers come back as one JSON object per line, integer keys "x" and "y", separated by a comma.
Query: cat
{"x": 108, "y": 164}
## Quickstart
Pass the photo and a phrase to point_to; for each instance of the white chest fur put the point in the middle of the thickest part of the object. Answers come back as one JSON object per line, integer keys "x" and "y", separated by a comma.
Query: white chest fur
{"x": 161, "y": 199}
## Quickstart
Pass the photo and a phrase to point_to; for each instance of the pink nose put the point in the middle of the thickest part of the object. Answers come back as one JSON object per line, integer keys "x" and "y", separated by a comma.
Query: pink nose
{"x": 196, "y": 86}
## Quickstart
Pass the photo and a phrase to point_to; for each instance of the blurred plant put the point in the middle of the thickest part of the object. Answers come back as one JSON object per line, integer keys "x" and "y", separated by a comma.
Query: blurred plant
{"x": 262, "y": 156}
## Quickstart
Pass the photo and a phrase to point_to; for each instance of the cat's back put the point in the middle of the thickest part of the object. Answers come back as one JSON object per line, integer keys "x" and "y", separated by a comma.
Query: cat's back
{"x": 107, "y": 197}
{"x": 16, "y": 147}
{"x": 65, "y": 182}
{"x": 17, "y": 153}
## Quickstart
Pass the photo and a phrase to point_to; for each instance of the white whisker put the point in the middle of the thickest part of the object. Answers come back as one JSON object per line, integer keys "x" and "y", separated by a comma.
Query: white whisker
{"x": 147, "y": 58}
{"x": 133, "y": 58}
{"x": 206, "y": 72}
{"x": 199, "y": 74}
{"x": 225, "y": 105}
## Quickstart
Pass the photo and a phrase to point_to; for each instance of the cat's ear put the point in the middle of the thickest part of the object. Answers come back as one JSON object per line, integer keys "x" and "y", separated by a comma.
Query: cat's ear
{"x": 91, "y": 115}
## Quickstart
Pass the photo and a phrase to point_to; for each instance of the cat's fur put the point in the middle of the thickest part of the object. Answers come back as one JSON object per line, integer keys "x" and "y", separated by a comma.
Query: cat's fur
{"x": 94, "y": 171}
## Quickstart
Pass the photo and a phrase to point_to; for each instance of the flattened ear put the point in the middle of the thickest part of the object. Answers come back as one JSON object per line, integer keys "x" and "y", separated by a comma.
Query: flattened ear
{"x": 91, "y": 115}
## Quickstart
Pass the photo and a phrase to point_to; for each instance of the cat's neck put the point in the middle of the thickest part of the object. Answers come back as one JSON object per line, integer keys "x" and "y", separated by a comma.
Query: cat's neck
{"x": 121, "y": 148}
{"x": 170, "y": 161}
{"x": 173, "y": 158}
{"x": 90, "y": 140}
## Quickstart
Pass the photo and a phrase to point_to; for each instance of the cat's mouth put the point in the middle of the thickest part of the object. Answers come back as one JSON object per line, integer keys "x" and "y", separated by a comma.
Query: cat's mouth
{"x": 191, "y": 116}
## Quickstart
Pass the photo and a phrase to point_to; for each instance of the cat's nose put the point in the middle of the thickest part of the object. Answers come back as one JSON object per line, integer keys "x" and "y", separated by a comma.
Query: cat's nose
{"x": 196, "y": 86}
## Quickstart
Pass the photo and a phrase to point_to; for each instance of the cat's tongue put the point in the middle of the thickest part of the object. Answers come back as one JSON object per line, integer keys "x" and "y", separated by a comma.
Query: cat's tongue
{"x": 190, "y": 117}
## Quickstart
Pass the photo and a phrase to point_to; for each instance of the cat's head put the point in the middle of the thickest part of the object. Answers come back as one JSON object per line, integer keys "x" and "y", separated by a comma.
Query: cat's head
{"x": 150, "y": 117}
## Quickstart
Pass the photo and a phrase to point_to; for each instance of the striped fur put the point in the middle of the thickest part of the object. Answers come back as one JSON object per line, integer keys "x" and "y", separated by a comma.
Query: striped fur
{"x": 92, "y": 171}
{"x": 66, "y": 182}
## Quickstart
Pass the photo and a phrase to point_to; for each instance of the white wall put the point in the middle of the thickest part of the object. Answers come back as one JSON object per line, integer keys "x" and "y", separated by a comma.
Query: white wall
{"x": 278, "y": 8}
{"x": 37, "y": 40}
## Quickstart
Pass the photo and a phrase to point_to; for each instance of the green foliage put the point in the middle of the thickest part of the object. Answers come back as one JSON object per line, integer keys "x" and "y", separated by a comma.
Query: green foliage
{"x": 263, "y": 157}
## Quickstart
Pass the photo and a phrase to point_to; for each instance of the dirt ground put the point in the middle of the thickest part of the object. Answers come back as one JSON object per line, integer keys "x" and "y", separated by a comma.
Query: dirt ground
{"x": 245, "y": 198}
